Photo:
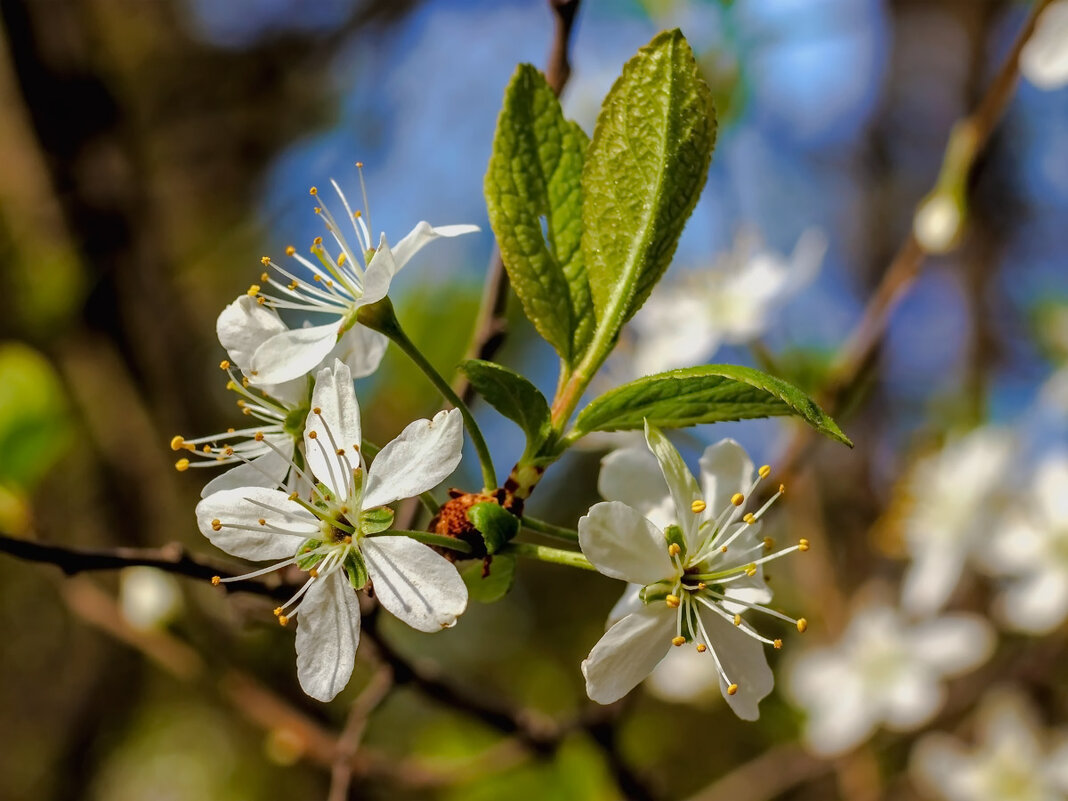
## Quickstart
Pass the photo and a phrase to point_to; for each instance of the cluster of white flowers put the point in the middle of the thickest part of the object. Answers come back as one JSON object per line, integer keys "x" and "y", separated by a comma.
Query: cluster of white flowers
{"x": 298, "y": 490}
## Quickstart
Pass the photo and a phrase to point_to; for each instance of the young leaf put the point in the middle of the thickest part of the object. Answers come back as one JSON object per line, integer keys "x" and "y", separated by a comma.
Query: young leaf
{"x": 495, "y": 523}
{"x": 494, "y": 586}
{"x": 707, "y": 394}
{"x": 511, "y": 395}
{"x": 534, "y": 200}
{"x": 645, "y": 168}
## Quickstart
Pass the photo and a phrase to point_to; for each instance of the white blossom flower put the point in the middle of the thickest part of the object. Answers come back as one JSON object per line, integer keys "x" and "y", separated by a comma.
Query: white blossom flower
{"x": 1030, "y": 547}
{"x": 148, "y": 597}
{"x": 1044, "y": 59}
{"x": 341, "y": 283}
{"x": 687, "y": 318}
{"x": 337, "y": 532}
{"x": 694, "y": 561}
{"x": 258, "y": 456}
{"x": 1014, "y": 758}
{"x": 884, "y": 670}
{"x": 952, "y": 496}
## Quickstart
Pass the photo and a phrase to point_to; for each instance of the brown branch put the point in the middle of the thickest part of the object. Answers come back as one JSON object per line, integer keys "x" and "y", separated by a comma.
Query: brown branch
{"x": 348, "y": 743}
{"x": 492, "y": 325}
{"x": 906, "y": 265}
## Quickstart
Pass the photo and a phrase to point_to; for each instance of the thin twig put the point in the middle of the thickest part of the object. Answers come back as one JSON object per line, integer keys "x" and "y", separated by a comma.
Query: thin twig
{"x": 905, "y": 267}
{"x": 348, "y": 743}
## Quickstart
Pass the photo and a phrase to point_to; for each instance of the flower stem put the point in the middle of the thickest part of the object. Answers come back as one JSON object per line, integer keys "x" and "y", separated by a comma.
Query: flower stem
{"x": 381, "y": 317}
{"x": 546, "y": 554}
{"x": 550, "y": 530}
{"x": 427, "y": 538}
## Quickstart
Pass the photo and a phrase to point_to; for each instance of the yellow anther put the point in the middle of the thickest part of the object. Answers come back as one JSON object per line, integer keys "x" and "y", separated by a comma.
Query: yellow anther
{"x": 701, "y": 647}
{"x": 313, "y": 191}
{"x": 313, "y": 573}
{"x": 293, "y": 496}
{"x": 228, "y": 451}
{"x": 290, "y": 250}
{"x": 673, "y": 601}
{"x": 216, "y": 524}
{"x": 181, "y": 465}
{"x": 231, "y": 430}
{"x": 245, "y": 411}
{"x": 737, "y": 499}
{"x": 802, "y": 544}
{"x": 318, "y": 210}
{"x": 677, "y": 641}
{"x": 782, "y": 489}
{"x": 241, "y": 402}
{"x": 317, "y": 410}
{"x": 215, "y": 580}
{"x": 723, "y": 549}
{"x": 253, "y": 290}
{"x": 262, "y": 521}
{"x": 244, "y": 381}
{"x": 698, "y": 506}
{"x": 674, "y": 549}
{"x": 777, "y": 644}
{"x": 359, "y": 165}
{"x": 769, "y": 543}
{"x": 177, "y": 442}
{"x": 230, "y": 387}
{"x": 802, "y": 625}
{"x": 357, "y": 214}
{"x": 265, "y": 261}
{"x": 318, "y": 241}
{"x": 312, "y": 435}
{"x": 732, "y": 689}
{"x": 206, "y": 449}
{"x": 258, "y": 436}
{"x": 265, "y": 277}
{"x": 347, "y": 539}
{"x": 261, "y": 300}
{"x": 749, "y": 517}
{"x": 224, "y": 365}
{"x": 282, "y": 620}
{"x": 764, "y": 471}
{"x": 341, "y": 260}
{"x": 292, "y": 285}
{"x": 317, "y": 278}
{"x": 751, "y": 571}
{"x": 277, "y": 611}
{"x": 701, "y": 585}
{"x": 340, "y": 451}
{"x": 737, "y": 620}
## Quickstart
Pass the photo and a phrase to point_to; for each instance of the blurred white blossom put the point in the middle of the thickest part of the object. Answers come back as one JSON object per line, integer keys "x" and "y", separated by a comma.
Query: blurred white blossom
{"x": 1013, "y": 759}
{"x": 952, "y": 497}
{"x": 148, "y": 597}
{"x": 885, "y": 670}
{"x": 1044, "y": 59}
{"x": 1030, "y": 548}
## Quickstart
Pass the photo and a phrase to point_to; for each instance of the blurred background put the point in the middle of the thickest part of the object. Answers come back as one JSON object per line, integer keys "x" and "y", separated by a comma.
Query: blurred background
{"x": 154, "y": 151}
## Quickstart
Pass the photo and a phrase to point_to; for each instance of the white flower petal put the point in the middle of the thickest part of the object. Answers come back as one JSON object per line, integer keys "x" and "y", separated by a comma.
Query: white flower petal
{"x": 246, "y": 507}
{"x": 628, "y": 652}
{"x": 328, "y": 633}
{"x": 421, "y": 457}
{"x": 1044, "y": 59}
{"x": 931, "y": 578}
{"x": 632, "y": 475}
{"x": 673, "y": 329}
{"x": 622, "y": 544}
{"x": 744, "y": 662}
{"x": 684, "y": 677}
{"x": 379, "y": 274}
{"x": 628, "y": 603}
{"x": 361, "y": 349}
{"x": 243, "y": 326}
{"x": 952, "y": 644}
{"x": 1036, "y": 603}
{"x": 1008, "y": 722}
{"x": 937, "y": 762}
{"x": 680, "y": 481}
{"x": 423, "y": 234}
{"x": 336, "y": 427}
{"x": 725, "y": 469}
{"x": 1051, "y": 479}
{"x": 415, "y": 583}
{"x": 267, "y": 470}
{"x": 292, "y": 354}
{"x": 911, "y": 698}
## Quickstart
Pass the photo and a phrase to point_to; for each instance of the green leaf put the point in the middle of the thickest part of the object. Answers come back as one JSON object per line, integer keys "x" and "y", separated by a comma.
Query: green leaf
{"x": 513, "y": 396}
{"x": 534, "y": 199}
{"x": 707, "y": 394}
{"x": 645, "y": 169}
{"x": 491, "y": 588}
{"x": 496, "y": 524}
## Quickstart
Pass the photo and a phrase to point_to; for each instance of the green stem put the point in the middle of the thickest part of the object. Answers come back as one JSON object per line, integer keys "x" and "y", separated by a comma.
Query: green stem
{"x": 381, "y": 317}
{"x": 550, "y": 530}
{"x": 426, "y": 537}
{"x": 546, "y": 554}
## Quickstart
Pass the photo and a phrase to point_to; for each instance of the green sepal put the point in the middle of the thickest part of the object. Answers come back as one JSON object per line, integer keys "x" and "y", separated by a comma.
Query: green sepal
{"x": 496, "y": 524}
{"x": 674, "y": 536}
{"x": 308, "y": 562}
{"x": 496, "y": 584}
{"x": 656, "y": 592}
{"x": 356, "y": 569}
{"x": 375, "y": 520}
